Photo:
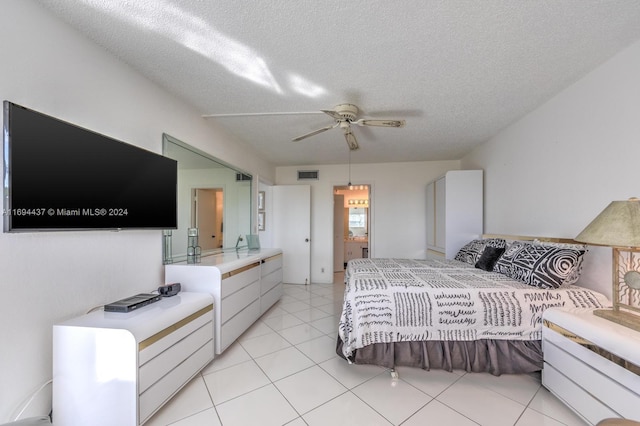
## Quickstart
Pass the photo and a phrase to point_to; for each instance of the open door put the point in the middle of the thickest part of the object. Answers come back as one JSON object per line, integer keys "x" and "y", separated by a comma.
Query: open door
{"x": 292, "y": 231}
{"x": 208, "y": 210}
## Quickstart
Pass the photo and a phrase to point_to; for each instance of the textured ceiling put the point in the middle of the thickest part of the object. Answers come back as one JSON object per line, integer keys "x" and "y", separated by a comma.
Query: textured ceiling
{"x": 458, "y": 71}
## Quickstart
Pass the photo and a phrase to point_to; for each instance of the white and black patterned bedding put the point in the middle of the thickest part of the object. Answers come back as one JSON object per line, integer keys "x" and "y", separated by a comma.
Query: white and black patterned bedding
{"x": 398, "y": 300}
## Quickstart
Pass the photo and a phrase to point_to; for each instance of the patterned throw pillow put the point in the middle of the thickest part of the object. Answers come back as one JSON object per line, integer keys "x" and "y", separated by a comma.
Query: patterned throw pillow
{"x": 472, "y": 251}
{"x": 542, "y": 266}
{"x": 574, "y": 276}
{"x": 503, "y": 265}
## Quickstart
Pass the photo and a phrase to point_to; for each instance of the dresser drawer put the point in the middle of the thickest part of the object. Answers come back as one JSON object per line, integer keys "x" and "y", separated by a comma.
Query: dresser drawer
{"x": 272, "y": 263}
{"x": 270, "y": 297}
{"x": 235, "y": 326}
{"x": 593, "y": 356}
{"x": 161, "y": 341}
{"x": 154, "y": 397}
{"x": 620, "y": 399}
{"x": 574, "y": 396}
{"x": 159, "y": 366}
{"x": 238, "y": 301}
{"x": 270, "y": 280}
{"x": 237, "y": 279}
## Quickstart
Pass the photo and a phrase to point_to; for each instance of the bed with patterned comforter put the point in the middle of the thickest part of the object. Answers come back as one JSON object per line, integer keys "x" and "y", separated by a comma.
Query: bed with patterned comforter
{"x": 389, "y": 301}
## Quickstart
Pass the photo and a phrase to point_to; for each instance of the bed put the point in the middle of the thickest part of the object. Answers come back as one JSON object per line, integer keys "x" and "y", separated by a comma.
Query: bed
{"x": 480, "y": 312}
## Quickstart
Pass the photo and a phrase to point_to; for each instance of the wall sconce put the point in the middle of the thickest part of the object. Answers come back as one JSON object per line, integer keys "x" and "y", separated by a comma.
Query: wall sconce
{"x": 364, "y": 203}
{"x": 618, "y": 226}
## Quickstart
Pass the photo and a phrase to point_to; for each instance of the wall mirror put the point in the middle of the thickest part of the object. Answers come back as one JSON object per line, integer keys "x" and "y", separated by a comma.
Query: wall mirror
{"x": 358, "y": 222}
{"x": 213, "y": 197}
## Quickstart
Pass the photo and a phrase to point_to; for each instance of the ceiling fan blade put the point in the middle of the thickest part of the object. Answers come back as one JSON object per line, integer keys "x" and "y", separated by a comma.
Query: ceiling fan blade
{"x": 315, "y": 132}
{"x": 333, "y": 114}
{"x": 380, "y": 123}
{"x": 259, "y": 114}
{"x": 351, "y": 139}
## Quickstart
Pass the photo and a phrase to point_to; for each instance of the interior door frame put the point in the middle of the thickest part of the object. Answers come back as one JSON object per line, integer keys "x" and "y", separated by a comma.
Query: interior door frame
{"x": 371, "y": 219}
{"x": 192, "y": 206}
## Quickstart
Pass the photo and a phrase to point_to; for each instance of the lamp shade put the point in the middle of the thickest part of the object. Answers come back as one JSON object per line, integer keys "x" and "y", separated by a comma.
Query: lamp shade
{"x": 617, "y": 226}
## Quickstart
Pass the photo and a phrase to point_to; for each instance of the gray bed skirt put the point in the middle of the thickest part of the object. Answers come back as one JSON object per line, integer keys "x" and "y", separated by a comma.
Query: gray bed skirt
{"x": 489, "y": 356}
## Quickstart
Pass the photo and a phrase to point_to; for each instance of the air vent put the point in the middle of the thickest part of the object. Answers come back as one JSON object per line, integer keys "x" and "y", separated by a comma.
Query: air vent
{"x": 307, "y": 175}
{"x": 242, "y": 177}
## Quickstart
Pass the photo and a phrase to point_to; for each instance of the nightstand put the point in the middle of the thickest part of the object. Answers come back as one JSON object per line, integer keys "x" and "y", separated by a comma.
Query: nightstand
{"x": 591, "y": 364}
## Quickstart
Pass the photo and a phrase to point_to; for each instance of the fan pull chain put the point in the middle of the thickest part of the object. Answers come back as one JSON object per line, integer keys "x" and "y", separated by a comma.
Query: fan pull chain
{"x": 349, "y": 168}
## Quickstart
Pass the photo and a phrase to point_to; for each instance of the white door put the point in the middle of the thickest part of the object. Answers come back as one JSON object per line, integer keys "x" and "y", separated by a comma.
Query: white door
{"x": 338, "y": 233}
{"x": 292, "y": 231}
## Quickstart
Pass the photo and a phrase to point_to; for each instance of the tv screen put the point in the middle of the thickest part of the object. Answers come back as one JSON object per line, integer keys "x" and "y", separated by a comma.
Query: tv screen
{"x": 58, "y": 176}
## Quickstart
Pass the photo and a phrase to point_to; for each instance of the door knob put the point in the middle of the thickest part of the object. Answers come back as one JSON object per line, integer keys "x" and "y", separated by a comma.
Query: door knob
{"x": 306, "y": 240}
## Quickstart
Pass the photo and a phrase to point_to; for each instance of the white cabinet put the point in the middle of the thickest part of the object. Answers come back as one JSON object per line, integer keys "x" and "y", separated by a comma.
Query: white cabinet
{"x": 355, "y": 250}
{"x": 112, "y": 368}
{"x": 454, "y": 211}
{"x": 591, "y": 364}
{"x": 243, "y": 285}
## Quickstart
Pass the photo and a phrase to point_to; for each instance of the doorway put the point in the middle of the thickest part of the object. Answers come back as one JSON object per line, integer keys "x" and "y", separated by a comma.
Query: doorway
{"x": 207, "y": 216}
{"x": 351, "y": 223}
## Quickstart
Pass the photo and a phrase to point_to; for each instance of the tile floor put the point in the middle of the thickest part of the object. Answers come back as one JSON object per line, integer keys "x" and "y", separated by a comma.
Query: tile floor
{"x": 284, "y": 371}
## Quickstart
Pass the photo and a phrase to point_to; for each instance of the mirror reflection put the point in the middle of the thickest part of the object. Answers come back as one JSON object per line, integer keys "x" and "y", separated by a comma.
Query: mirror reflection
{"x": 213, "y": 197}
{"x": 358, "y": 227}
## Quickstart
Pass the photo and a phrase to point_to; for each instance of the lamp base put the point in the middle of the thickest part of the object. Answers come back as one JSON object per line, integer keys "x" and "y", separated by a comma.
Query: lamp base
{"x": 620, "y": 317}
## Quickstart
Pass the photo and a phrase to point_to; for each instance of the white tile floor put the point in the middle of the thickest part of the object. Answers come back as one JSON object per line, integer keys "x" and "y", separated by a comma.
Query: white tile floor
{"x": 284, "y": 370}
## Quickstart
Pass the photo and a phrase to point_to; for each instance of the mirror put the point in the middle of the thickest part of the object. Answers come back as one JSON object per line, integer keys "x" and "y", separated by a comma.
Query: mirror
{"x": 358, "y": 222}
{"x": 212, "y": 197}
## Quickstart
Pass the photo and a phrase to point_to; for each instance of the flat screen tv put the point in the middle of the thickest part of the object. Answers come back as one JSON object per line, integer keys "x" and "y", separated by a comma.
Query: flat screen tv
{"x": 58, "y": 176}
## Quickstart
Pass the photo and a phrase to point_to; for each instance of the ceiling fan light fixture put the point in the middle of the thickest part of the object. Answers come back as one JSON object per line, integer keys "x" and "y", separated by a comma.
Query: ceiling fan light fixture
{"x": 344, "y": 115}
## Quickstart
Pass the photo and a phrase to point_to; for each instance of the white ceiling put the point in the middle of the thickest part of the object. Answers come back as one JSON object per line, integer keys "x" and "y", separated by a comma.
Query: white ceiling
{"x": 458, "y": 71}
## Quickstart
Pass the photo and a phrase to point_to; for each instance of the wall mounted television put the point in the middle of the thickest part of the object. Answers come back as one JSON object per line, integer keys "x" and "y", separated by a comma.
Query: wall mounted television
{"x": 59, "y": 176}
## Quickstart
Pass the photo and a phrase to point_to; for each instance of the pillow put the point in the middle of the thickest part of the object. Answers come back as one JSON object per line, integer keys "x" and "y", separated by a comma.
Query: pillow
{"x": 503, "y": 265}
{"x": 489, "y": 257}
{"x": 575, "y": 275}
{"x": 472, "y": 251}
{"x": 544, "y": 266}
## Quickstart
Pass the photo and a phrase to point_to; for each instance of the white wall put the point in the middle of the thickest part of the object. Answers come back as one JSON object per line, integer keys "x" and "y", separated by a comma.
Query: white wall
{"x": 557, "y": 168}
{"x": 49, "y": 277}
{"x": 398, "y": 207}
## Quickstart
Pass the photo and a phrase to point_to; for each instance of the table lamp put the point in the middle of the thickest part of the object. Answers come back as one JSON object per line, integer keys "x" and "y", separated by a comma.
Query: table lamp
{"x": 618, "y": 226}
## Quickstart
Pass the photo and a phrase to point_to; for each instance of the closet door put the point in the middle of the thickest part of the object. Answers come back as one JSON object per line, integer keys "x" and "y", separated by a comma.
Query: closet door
{"x": 454, "y": 212}
{"x": 441, "y": 214}
{"x": 431, "y": 215}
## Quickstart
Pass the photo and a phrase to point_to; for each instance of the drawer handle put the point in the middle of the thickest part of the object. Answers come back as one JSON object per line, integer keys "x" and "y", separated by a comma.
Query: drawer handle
{"x": 274, "y": 257}
{"x": 164, "y": 333}
{"x": 239, "y": 270}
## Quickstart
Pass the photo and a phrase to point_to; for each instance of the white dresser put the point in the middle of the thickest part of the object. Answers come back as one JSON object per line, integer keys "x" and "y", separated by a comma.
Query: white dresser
{"x": 112, "y": 368}
{"x": 591, "y": 364}
{"x": 243, "y": 284}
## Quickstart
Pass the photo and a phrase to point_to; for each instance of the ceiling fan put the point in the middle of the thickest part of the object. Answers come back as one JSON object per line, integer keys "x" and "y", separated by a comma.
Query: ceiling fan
{"x": 344, "y": 116}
